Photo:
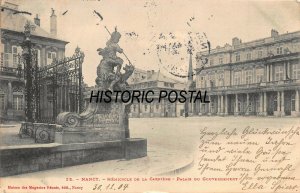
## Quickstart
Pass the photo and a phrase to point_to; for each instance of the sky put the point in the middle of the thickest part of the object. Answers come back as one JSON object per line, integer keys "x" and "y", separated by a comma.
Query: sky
{"x": 146, "y": 24}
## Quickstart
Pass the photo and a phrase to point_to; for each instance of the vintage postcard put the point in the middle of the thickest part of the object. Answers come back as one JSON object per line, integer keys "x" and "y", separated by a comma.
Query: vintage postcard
{"x": 150, "y": 96}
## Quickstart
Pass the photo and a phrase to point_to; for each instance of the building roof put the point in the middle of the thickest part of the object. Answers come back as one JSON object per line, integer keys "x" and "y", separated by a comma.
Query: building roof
{"x": 254, "y": 43}
{"x": 16, "y": 22}
{"x": 157, "y": 76}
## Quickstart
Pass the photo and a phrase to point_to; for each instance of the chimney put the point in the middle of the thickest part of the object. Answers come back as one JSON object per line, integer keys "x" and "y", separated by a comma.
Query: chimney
{"x": 149, "y": 73}
{"x": 37, "y": 20}
{"x": 236, "y": 41}
{"x": 274, "y": 33}
{"x": 53, "y": 23}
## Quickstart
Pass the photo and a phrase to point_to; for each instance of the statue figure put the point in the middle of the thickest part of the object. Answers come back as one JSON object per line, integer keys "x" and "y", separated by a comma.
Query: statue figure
{"x": 108, "y": 77}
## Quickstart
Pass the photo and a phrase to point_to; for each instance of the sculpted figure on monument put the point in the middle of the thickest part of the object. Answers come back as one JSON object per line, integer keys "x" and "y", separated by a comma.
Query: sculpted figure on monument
{"x": 107, "y": 76}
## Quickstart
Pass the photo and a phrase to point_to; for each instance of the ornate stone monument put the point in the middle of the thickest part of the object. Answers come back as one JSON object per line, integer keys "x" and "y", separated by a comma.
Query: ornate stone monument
{"x": 102, "y": 122}
{"x": 99, "y": 133}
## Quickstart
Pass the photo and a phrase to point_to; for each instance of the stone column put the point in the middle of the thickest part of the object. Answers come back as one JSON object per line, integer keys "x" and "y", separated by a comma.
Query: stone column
{"x": 271, "y": 72}
{"x": 261, "y": 103}
{"x": 9, "y": 96}
{"x": 297, "y": 101}
{"x": 191, "y": 108}
{"x": 265, "y": 104}
{"x": 282, "y": 104}
{"x": 254, "y": 75}
{"x": 219, "y": 105}
{"x": 151, "y": 110}
{"x": 247, "y": 104}
{"x": 284, "y": 71}
{"x": 175, "y": 109}
{"x": 236, "y": 111}
{"x": 200, "y": 110}
{"x": 278, "y": 101}
{"x": 222, "y": 105}
{"x": 162, "y": 112}
{"x": 226, "y": 105}
{"x": 209, "y": 105}
{"x": 288, "y": 70}
{"x": 268, "y": 73}
{"x": 139, "y": 109}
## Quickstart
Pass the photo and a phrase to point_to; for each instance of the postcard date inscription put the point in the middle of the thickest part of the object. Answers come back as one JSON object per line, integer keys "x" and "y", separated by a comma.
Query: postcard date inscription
{"x": 264, "y": 159}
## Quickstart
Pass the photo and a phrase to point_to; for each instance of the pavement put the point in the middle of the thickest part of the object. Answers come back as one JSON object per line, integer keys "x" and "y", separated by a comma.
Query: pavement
{"x": 171, "y": 145}
{"x": 163, "y": 149}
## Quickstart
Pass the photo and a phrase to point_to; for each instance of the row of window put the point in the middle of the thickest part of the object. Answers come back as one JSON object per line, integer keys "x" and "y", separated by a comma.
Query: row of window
{"x": 237, "y": 56}
{"x": 167, "y": 84}
{"x": 213, "y": 107}
{"x": 9, "y": 58}
{"x": 144, "y": 85}
{"x": 250, "y": 108}
{"x": 17, "y": 103}
{"x": 248, "y": 77}
{"x": 146, "y": 107}
{"x": 152, "y": 84}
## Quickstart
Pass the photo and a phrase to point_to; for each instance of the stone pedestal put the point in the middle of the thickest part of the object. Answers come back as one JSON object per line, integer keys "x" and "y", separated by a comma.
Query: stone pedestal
{"x": 105, "y": 120}
{"x": 24, "y": 159}
{"x": 40, "y": 132}
{"x": 135, "y": 148}
{"x": 101, "y": 123}
{"x": 277, "y": 113}
{"x": 295, "y": 114}
{"x": 263, "y": 113}
{"x": 88, "y": 135}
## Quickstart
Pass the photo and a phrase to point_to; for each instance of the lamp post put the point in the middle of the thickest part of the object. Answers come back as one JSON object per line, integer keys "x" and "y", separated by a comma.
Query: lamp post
{"x": 28, "y": 69}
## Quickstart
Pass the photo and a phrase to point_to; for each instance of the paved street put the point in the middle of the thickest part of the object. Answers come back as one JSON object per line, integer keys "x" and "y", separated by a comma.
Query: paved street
{"x": 171, "y": 144}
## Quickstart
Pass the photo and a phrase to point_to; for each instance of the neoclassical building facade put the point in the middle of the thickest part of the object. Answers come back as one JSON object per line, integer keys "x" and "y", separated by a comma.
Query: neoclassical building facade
{"x": 261, "y": 77}
{"x": 156, "y": 81}
{"x": 48, "y": 46}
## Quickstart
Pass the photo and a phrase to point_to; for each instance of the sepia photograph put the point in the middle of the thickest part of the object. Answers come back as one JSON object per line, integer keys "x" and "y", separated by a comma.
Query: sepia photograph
{"x": 150, "y": 96}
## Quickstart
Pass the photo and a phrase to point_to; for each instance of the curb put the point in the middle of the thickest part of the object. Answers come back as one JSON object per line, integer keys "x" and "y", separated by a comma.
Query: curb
{"x": 178, "y": 170}
{"x": 7, "y": 126}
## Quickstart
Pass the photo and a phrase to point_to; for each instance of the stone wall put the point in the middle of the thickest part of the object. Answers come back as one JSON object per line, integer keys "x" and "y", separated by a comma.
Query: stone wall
{"x": 32, "y": 158}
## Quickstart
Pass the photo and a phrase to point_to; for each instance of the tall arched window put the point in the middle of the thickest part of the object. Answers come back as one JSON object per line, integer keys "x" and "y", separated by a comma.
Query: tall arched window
{"x": 275, "y": 103}
{"x": 296, "y": 71}
{"x": 2, "y": 100}
{"x": 16, "y": 50}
